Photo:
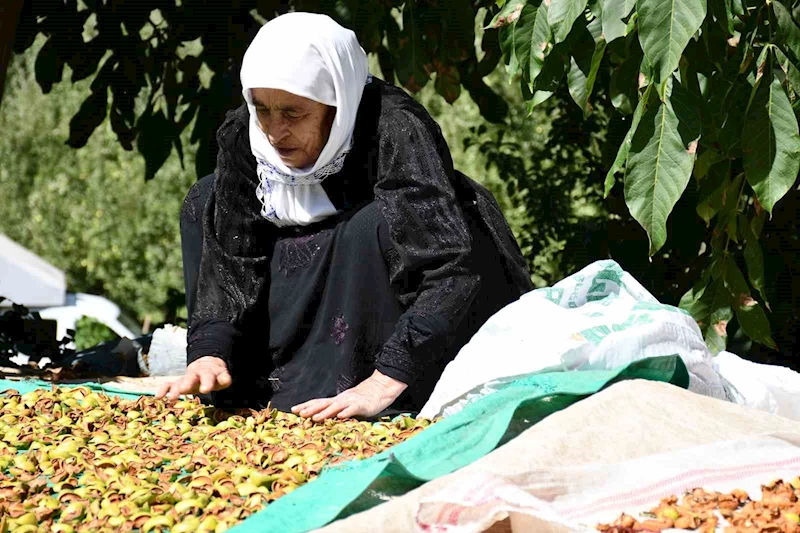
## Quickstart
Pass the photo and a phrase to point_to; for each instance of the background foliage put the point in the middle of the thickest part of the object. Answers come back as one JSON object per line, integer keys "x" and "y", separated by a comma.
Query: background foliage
{"x": 583, "y": 86}
{"x": 88, "y": 211}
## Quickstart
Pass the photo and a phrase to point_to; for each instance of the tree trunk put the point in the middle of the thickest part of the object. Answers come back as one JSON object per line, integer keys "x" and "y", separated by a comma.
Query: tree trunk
{"x": 9, "y": 19}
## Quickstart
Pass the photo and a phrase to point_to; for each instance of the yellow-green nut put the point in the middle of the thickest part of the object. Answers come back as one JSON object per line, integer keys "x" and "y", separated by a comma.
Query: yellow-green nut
{"x": 28, "y": 519}
{"x": 246, "y": 489}
{"x": 795, "y": 483}
{"x": 142, "y": 496}
{"x": 207, "y": 525}
{"x": 62, "y": 528}
{"x": 25, "y": 529}
{"x": 117, "y": 521}
{"x": 163, "y": 522}
{"x": 670, "y": 512}
{"x": 184, "y": 506}
{"x": 260, "y": 479}
{"x": 190, "y": 524}
{"x": 792, "y": 517}
{"x": 49, "y": 502}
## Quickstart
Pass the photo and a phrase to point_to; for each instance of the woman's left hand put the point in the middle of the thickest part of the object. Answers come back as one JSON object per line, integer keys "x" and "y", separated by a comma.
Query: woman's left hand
{"x": 368, "y": 398}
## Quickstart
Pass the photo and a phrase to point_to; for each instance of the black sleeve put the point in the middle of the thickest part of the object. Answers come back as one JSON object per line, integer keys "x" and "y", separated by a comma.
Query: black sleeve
{"x": 431, "y": 239}
{"x": 234, "y": 265}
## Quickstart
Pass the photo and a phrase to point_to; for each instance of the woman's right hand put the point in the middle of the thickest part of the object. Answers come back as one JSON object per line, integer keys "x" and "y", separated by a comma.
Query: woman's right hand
{"x": 204, "y": 375}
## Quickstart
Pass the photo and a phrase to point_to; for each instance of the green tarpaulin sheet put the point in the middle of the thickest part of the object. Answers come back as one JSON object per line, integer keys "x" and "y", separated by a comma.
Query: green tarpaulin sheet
{"x": 452, "y": 443}
{"x": 33, "y": 384}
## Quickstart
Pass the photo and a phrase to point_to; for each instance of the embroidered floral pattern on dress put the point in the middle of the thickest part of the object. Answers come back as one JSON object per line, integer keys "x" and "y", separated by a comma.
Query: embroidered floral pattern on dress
{"x": 340, "y": 327}
{"x": 297, "y": 253}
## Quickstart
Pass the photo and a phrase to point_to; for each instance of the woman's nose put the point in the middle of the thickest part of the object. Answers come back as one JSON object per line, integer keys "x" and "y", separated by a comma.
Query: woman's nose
{"x": 277, "y": 131}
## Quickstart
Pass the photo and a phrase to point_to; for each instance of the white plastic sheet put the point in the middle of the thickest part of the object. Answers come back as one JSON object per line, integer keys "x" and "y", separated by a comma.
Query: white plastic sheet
{"x": 599, "y": 318}
{"x": 577, "y": 499}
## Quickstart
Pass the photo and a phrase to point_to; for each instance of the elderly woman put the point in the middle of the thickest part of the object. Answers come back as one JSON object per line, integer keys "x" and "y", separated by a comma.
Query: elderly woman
{"x": 336, "y": 262}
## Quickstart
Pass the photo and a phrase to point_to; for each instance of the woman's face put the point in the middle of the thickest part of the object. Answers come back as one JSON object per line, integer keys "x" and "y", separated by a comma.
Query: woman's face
{"x": 298, "y": 128}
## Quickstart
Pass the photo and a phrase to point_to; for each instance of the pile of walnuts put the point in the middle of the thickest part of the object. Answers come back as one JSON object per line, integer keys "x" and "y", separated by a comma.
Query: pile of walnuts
{"x": 778, "y": 511}
{"x": 77, "y": 460}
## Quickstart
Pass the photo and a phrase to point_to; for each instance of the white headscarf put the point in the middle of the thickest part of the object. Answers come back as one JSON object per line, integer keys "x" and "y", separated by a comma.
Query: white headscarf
{"x": 312, "y": 56}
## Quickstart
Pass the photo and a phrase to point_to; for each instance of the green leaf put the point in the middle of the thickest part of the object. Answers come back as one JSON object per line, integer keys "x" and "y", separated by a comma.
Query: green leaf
{"x": 614, "y": 14}
{"x": 710, "y": 197}
{"x": 708, "y": 303}
{"x": 716, "y": 333}
{"x": 665, "y": 28}
{"x": 660, "y": 162}
{"x": 506, "y": 38}
{"x": 624, "y": 149}
{"x": 531, "y": 41}
{"x": 771, "y": 143}
{"x": 554, "y": 68}
{"x": 693, "y": 301}
{"x": 411, "y": 62}
{"x": 753, "y": 257}
{"x": 705, "y": 161}
{"x": 583, "y": 71}
{"x": 789, "y": 69}
{"x": 562, "y": 14}
{"x": 731, "y": 197}
{"x": 624, "y": 84}
{"x": 508, "y": 14}
{"x": 730, "y": 130}
{"x": 787, "y": 33}
{"x": 749, "y": 312}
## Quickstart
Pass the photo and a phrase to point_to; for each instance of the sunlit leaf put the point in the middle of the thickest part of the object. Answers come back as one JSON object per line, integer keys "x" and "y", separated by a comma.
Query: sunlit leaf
{"x": 614, "y": 14}
{"x": 562, "y": 14}
{"x": 532, "y": 38}
{"x": 660, "y": 162}
{"x": 508, "y": 14}
{"x": 664, "y": 31}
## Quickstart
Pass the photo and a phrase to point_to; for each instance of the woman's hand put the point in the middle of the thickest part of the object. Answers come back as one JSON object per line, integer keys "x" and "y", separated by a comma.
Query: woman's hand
{"x": 368, "y": 398}
{"x": 204, "y": 375}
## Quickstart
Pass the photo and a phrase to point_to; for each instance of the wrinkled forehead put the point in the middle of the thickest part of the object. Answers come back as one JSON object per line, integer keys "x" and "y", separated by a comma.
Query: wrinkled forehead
{"x": 280, "y": 99}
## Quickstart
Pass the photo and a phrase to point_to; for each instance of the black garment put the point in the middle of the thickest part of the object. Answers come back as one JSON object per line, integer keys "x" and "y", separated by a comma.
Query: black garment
{"x": 435, "y": 219}
{"x": 332, "y": 307}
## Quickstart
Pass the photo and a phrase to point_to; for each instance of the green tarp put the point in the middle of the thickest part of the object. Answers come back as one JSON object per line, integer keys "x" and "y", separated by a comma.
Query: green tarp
{"x": 33, "y": 384}
{"x": 448, "y": 445}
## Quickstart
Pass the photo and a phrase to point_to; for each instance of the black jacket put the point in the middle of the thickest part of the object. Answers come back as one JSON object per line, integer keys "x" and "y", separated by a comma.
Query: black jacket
{"x": 401, "y": 160}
